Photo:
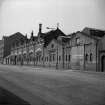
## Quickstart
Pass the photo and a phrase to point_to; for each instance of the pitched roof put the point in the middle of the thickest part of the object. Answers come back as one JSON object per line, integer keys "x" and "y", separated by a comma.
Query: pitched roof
{"x": 94, "y": 32}
{"x": 65, "y": 39}
{"x": 1, "y": 42}
{"x": 33, "y": 38}
{"x": 53, "y": 34}
{"x": 16, "y": 36}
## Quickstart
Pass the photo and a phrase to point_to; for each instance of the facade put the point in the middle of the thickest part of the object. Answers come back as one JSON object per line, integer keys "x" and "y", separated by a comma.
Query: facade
{"x": 42, "y": 50}
{"x": 10, "y": 48}
{"x": 1, "y": 51}
{"x": 91, "y": 41}
{"x": 101, "y": 54}
{"x": 53, "y": 54}
{"x": 83, "y": 50}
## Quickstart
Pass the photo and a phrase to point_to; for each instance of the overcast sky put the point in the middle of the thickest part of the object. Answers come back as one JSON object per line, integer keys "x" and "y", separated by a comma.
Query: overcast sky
{"x": 72, "y": 15}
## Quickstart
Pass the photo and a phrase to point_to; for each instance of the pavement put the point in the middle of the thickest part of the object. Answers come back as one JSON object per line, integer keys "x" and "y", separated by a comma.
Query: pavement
{"x": 43, "y": 86}
{"x": 7, "y": 98}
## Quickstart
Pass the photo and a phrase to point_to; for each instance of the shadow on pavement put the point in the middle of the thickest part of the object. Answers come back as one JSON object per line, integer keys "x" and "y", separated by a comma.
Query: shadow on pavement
{"x": 8, "y": 98}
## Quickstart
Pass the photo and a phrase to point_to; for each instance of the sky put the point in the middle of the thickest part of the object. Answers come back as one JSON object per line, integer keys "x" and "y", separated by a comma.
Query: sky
{"x": 72, "y": 15}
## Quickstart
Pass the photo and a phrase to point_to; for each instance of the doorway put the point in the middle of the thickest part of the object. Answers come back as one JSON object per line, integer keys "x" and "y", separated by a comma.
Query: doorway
{"x": 103, "y": 63}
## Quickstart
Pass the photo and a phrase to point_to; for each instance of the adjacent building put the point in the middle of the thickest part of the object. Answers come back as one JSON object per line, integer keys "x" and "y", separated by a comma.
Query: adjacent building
{"x": 1, "y": 51}
{"x": 87, "y": 50}
{"x": 9, "y": 44}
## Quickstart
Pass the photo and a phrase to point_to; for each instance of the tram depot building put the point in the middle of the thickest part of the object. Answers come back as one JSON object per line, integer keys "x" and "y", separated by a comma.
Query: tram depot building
{"x": 82, "y": 50}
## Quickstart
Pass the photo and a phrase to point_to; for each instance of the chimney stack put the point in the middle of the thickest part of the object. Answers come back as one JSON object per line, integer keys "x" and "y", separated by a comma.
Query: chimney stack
{"x": 40, "y": 28}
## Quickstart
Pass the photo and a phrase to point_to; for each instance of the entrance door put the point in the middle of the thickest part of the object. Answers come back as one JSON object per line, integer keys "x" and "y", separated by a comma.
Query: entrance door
{"x": 103, "y": 63}
{"x": 15, "y": 60}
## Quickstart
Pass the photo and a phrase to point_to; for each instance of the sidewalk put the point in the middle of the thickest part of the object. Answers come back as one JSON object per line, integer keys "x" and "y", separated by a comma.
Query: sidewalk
{"x": 40, "y": 68}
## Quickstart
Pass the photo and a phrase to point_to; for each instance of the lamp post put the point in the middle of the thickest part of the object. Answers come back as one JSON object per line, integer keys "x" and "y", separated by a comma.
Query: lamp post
{"x": 63, "y": 53}
{"x": 84, "y": 58}
{"x": 57, "y": 57}
{"x": 34, "y": 52}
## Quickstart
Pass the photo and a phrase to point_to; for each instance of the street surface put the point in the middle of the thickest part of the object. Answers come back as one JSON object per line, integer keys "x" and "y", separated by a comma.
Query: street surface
{"x": 42, "y": 86}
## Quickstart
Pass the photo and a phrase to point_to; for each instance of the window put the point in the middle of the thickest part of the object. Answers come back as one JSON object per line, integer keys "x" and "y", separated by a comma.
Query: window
{"x": 50, "y": 58}
{"x": 47, "y": 59}
{"x": 69, "y": 58}
{"x": 91, "y": 57}
{"x": 59, "y": 58}
{"x": 53, "y": 57}
{"x": 42, "y": 58}
{"x": 66, "y": 57}
{"x": 86, "y": 57}
{"x": 52, "y": 46}
{"x": 77, "y": 40}
{"x": 39, "y": 58}
{"x": 70, "y": 42}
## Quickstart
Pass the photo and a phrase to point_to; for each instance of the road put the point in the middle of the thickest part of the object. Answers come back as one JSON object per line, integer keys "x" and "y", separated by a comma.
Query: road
{"x": 42, "y": 86}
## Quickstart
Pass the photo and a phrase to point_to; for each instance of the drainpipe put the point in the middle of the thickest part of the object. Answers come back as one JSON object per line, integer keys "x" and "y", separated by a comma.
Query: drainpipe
{"x": 63, "y": 56}
{"x": 57, "y": 57}
{"x": 84, "y": 58}
{"x": 43, "y": 55}
{"x": 97, "y": 56}
{"x": 34, "y": 52}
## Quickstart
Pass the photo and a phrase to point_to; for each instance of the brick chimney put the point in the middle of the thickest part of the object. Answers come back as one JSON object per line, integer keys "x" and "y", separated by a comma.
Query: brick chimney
{"x": 40, "y": 28}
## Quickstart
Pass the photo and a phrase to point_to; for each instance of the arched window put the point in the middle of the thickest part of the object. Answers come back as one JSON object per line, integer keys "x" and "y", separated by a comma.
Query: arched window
{"x": 59, "y": 58}
{"x": 47, "y": 58}
{"x": 91, "y": 57}
{"x": 52, "y": 46}
{"x": 69, "y": 57}
{"x": 66, "y": 57}
{"x": 86, "y": 57}
{"x": 53, "y": 57}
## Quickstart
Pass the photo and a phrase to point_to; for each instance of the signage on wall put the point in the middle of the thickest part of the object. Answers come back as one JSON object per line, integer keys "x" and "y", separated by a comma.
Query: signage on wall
{"x": 52, "y": 50}
{"x": 38, "y": 49}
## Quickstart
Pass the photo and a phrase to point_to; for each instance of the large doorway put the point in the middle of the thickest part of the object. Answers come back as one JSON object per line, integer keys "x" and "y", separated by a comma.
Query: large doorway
{"x": 103, "y": 63}
{"x": 15, "y": 58}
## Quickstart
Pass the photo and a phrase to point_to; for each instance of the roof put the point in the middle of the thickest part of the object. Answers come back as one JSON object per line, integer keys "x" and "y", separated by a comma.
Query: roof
{"x": 1, "y": 42}
{"x": 17, "y": 37}
{"x": 16, "y": 34}
{"x": 94, "y": 32}
{"x": 53, "y": 34}
{"x": 33, "y": 38}
{"x": 91, "y": 36}
{"x": 65, "y": 39}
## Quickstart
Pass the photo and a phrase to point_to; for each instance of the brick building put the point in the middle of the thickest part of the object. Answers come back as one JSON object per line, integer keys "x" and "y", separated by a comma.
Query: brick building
{"x": 83, "y": 50}
{"x": 1, "y": 51}
{"x": 36, "y": 51}
{"x": 87, "y": 45}
{"x": 10, "y": 43}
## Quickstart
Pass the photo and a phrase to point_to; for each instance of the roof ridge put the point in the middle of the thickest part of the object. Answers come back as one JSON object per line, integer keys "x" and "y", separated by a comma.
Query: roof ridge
{"x": 94, "y": 29}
